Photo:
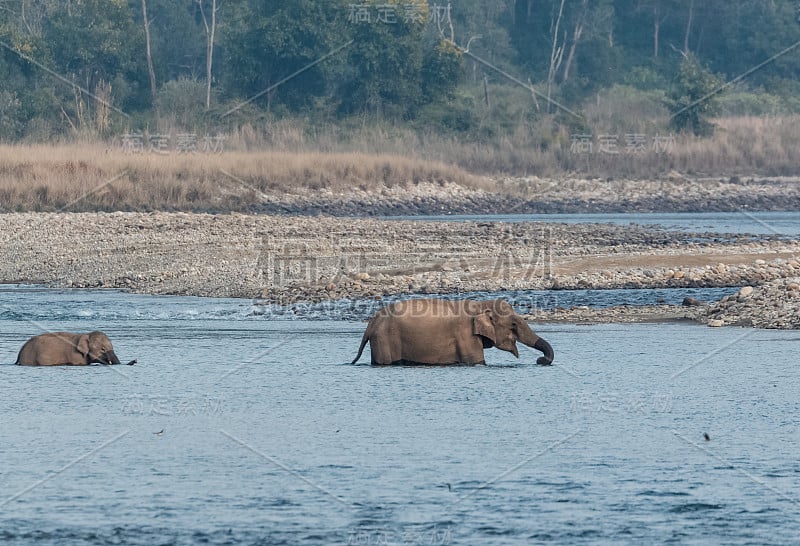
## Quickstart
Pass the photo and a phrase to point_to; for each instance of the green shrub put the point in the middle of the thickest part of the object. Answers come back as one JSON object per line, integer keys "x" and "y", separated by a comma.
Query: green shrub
{"x": 693, "y": 97}
{"x": 182, "y": 100}
{"x": 745, "y": 103}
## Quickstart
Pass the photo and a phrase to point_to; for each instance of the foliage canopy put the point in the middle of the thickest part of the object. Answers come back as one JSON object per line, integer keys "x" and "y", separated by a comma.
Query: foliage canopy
{"x": 397, "y": 60}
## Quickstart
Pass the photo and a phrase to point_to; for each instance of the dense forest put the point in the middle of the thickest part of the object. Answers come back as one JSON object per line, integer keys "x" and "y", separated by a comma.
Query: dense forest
{"x": 469, "y": 67}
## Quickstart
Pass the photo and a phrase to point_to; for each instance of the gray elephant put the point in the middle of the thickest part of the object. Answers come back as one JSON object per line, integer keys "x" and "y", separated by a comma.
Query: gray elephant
{"x": 67, "y": 349}
{"x": 433, "y": 331}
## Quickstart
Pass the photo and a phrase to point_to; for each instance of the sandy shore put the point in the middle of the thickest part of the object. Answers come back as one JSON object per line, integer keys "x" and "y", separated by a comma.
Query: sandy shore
{"x": 285, "y": 259}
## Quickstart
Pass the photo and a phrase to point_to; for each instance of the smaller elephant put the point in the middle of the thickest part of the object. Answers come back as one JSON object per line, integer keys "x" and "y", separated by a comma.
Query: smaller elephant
{"x": 67, "y": 349}
{"x": 437, "y": 332}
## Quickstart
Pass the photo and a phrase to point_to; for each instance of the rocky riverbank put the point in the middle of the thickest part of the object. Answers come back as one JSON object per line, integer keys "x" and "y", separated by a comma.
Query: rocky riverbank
{"x": 287, "y": 260}
{"x": 534, "y": 195}
{"x": 776, "y": 304}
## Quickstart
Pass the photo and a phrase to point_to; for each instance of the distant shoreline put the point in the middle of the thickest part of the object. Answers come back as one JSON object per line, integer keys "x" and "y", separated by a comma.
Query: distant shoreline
{"x": 532, "y": 195}
{"x": 292, "y": 259}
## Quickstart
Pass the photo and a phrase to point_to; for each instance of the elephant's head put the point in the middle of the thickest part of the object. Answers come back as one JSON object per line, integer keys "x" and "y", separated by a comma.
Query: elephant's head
{"x": 499, "y": 326}
{"x": 97, "y": 348}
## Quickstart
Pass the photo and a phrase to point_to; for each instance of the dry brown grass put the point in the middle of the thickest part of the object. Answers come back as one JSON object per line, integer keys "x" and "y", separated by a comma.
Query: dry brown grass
{"x": 86, "y": 177}
{"x": 80, "y": 177}
{"x": 745, "y": 145}
{"x": 741, "y": 146}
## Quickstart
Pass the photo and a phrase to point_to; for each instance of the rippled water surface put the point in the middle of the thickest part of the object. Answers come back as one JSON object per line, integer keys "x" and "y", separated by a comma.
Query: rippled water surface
{"x": 244, "y": 428}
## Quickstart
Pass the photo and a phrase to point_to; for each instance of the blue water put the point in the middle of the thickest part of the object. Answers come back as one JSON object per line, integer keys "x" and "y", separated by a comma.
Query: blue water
{"x": 270, "y": 436}
{"x": 756, "y": 223}
{"x": 64, "y": 305}
{"x": 524, "y": 301}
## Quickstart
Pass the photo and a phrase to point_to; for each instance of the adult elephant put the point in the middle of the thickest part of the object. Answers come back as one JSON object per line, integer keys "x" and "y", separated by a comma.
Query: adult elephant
{"x": 66, "y": 349}
{"x": 433, "y": 331}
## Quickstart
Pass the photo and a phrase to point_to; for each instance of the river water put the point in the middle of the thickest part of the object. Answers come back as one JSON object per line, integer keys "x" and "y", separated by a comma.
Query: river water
{"x": 239, "y": 426}
{"x": 779, "y": 224}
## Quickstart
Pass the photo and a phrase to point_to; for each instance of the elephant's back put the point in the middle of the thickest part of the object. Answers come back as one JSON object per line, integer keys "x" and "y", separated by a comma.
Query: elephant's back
{"x": 43, "y": 344}
{"x": 427, "y": 307}
{"x": 419, "y": 319}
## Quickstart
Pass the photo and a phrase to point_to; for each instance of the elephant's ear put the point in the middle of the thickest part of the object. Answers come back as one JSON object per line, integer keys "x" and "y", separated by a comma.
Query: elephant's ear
{"x": 82, "y": 346}
{"x": 482, "y": 326}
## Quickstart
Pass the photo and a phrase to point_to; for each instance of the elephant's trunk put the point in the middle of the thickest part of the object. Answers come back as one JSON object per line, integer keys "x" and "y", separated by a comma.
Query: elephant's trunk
{"x": 529, "y": 338}
{"x": 111, "y": 358}
{"x": 545, "y": 347}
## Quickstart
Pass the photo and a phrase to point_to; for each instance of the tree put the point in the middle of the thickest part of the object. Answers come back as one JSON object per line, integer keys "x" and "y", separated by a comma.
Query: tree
{"x": 693, "y": 97}
{"x": 386, "y": 62}
{"x": 592, "y": 20}
{"x": 442, "y": 70}
{"x": 265, "y": 43}
{"x": 210, "y": 25}
{"x": 689, "y": 19}
{"x": 178, "y": 39}
{"x": 556, "y": 51}
{"x": 487, "y": 23}
{"x": 657, "y": 10}
{"x": 22, "y": 95}
{"x": 92, "y": 45}
{"x": 148, "y": 52}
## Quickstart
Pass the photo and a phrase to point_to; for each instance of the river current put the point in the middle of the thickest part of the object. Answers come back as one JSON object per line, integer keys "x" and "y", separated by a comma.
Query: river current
{"x": 238, "y": 426}
{"x": 247, "y": 424}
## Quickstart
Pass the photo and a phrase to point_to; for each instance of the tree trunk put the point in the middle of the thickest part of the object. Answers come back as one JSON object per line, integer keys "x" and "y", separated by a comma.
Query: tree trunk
{"x": 150, "y": 69}
{"x": 576, "y": 36}
{"x": 211, "y": 30}
{"x": 210, "y": 52}
{"x": 656, "y": 30}
{"x": 556, "y": 55}
{"x": 688, "y": 29}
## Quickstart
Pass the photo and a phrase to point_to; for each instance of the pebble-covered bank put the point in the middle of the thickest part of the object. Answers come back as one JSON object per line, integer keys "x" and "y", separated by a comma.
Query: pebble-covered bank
{"x": 534, "y": 195}
{"x": 776, "y": 304}
{"x": 285, "y": 259}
